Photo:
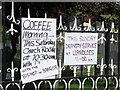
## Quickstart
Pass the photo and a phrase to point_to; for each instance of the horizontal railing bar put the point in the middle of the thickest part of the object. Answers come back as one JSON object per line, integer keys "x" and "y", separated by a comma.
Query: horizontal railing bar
{"x": 95, "y": 76}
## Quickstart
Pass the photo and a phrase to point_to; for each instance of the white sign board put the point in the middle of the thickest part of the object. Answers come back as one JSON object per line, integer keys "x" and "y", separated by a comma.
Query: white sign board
{"x": 38, "y": 49}
{"x": 80, "y": 48}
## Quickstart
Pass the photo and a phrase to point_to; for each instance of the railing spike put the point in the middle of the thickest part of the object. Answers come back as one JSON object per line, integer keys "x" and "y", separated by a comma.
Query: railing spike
{"x": 28, "y": 13}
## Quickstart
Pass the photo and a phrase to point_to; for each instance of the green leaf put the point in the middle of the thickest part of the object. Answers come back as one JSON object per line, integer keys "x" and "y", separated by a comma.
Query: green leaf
{"x": 106, "y": 16}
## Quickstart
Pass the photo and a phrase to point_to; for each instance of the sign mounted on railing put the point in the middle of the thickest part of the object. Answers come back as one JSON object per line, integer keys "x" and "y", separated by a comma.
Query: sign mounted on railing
{"x": 38, "y": 49}
{"x": 80, "y": 48}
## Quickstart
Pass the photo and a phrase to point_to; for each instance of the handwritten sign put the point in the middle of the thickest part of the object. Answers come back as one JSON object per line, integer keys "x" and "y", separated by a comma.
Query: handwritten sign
{"x": 80, "y": 48}
{"x": 38, "y": 49}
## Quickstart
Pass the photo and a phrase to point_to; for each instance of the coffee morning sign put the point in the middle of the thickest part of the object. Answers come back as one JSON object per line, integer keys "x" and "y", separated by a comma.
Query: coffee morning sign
{"x": 80, "y": 48}
{"x": 38, "y": 49}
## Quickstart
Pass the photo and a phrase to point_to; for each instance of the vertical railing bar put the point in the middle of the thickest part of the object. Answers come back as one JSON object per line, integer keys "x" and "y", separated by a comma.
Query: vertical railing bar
{"x": 81, "y": 68}
{"x": 95, "y": 68}
{"x": 119, "y": 54}
{"x": 3, "y": 42}
{"x": 107, "y": 51}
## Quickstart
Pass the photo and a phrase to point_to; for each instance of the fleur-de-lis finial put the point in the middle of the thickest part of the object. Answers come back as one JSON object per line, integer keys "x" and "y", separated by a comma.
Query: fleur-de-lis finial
{"x": 60, "y": 68}
{"x": 112, "y": 66}
{"x": 88, "y": 69}
{"x": 75, "y": 25}
{"x": 12, "y": 30}
{"x": 60, "y": 27}
{"x": 89, "y": 28}
{"x": 12, "y": 17}
{"x": 60, "y": 37}
{"x": 113, "y": 28}
{"x": 12, "y": 70}
{"x": 102, "y": 27}
{"x": 102, "y": 39}
{"x": 74, "y": 68}
{"x": 113, "y": 39}
{"x": 101, "y": 66}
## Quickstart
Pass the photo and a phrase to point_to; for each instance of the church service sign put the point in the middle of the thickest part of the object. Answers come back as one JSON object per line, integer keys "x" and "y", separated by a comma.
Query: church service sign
{"x": 80, "y": 48}
{"x": 38, "y": 49}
